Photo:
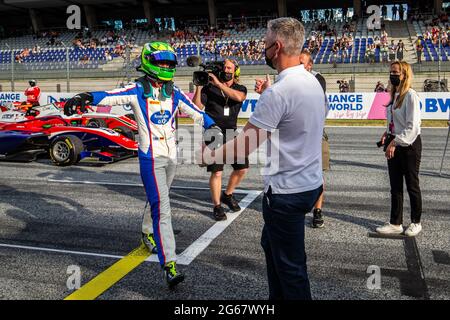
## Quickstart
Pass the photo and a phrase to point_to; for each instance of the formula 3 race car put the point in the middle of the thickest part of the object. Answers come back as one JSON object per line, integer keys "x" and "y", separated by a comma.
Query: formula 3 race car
{"x": 65, "y": 143}
{"x": 20, "y": 112}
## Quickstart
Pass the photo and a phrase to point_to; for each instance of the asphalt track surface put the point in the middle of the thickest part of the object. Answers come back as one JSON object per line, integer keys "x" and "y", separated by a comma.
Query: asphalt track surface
{"x": 90, "y": 216}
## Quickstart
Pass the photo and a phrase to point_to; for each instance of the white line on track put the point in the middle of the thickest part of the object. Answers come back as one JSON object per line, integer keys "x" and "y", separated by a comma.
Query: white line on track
{"x": 80, "y": 253}
{"x": 197, "y": 247}
{"x": 188, "y": 255}
{"x": 123, "y": 184}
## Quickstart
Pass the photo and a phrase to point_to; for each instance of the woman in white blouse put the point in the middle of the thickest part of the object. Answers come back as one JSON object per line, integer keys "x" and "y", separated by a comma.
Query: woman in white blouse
{"x": 403, "y": 149}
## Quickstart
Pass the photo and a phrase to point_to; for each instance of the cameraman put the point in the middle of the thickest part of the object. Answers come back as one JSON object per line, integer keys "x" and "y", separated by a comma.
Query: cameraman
{"x": 222, "y": 100}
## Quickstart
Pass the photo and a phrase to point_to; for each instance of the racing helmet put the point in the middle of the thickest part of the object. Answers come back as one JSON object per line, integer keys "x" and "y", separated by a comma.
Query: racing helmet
{"x": 32, "y": 83}
{"x": 155, "y": 52}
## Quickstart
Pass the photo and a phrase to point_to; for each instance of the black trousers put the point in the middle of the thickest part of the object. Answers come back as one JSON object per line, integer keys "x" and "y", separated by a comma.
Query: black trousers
{"x": 405, "y": 163}
{"x": 283, "y": 241}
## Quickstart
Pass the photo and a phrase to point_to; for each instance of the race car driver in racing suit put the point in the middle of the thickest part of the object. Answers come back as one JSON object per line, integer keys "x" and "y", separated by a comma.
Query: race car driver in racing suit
{"x": 33, "y": 93}
{"x": 155, "y": 101}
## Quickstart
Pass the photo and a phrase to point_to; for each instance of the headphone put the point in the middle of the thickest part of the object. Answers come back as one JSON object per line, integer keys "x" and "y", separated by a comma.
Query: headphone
{"x": 237, "y": 69}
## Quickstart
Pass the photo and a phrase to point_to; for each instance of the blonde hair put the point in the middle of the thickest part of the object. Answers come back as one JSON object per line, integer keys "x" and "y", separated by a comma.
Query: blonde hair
{"x": 237, "y": 73}
{"x": 405, "y": 84}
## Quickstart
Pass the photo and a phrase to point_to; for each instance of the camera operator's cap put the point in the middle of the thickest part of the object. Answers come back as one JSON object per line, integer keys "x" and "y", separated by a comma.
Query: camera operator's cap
{"x": 155, "y": 52}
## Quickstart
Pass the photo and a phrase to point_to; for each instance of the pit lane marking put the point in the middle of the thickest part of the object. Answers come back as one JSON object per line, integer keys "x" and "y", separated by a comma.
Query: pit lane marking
{"x": 120, "y": 269}
{"x": 110, "y": 276}
{"x": 80, "y": 253}
{"x": 188, "y": 255}
{"x": 125, "y": 265}
{"x": 124, "y": 184}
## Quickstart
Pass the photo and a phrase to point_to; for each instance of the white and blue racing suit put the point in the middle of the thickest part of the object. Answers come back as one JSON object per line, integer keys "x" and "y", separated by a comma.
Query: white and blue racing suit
{"x": 157, "y": 152}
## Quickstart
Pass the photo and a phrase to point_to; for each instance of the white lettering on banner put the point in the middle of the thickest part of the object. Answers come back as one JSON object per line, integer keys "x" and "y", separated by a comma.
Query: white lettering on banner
{"x": 359, "y": 105}
{"x": 367, "y": 105}
{"x": 349, "y": 105}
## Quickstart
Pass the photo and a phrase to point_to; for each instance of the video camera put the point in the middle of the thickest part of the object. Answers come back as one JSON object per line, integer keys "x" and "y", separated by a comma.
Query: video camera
{"x": 202, "y": 78}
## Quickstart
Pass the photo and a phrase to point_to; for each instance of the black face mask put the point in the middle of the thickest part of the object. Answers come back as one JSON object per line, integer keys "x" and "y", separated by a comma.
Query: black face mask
{"x": 225, "y": 76}
{"x": 395, "y": 79}
{"x": 269, "y": 61}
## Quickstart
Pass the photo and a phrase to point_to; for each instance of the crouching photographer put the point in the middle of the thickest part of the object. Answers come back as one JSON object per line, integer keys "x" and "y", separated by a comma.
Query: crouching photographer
{"x": 220, "y": 95}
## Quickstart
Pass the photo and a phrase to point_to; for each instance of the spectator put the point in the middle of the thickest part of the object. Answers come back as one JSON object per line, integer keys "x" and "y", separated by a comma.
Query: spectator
{"x": 84, "y": 59}
{"x": 334, "y": 54}
{"x": 401, "y": 12}
{"x": 400, "y": 50}
{"x": 370, "y": 54}
{"x": 419, "y": 49}
{"x": 384, "y": 53}
{"x": 344, "y": 13}
{"x": 377, "y": 42}
{"x": 444, "y": 39}
{"x": 36, "y": 49}
{"x": 383, "y": 11}
{"x": 108, "y": 56}
{"x": 103, "y": 40}
{"x": 394, "y": 12}
{"x": 384, "y": 37}
{"x": 392, "y": 51}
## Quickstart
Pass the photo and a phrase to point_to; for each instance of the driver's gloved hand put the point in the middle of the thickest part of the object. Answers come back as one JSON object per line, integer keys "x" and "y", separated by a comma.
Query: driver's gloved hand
{"x": 79, "y": 101}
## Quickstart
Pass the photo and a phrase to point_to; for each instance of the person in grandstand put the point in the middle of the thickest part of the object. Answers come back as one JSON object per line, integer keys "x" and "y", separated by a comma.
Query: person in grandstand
{"x": 155, "y": 101}
{"x": 403, "y": 150}
{"x": 400, "y": 50}
{"x": 33, "y": 93}
{"x": 419, "y": 48}
{"x": 392, "y": 51}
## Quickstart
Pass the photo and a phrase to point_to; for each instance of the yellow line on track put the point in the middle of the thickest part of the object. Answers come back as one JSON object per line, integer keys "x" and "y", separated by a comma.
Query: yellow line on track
{"x": 110, "y": 276}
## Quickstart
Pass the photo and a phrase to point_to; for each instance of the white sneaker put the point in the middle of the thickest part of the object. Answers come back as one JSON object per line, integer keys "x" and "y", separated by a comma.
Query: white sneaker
{"x": 390, "y": 229}
{"x": 413, "y": 229}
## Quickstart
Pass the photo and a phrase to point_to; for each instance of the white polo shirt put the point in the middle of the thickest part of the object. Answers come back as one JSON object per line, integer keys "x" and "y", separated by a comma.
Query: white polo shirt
{"x": 293, "y": 111}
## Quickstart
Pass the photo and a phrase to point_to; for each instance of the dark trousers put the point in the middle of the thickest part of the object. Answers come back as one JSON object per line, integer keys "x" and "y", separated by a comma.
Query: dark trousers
{"x": 405, "y": 163}
{"x": 283, "y": 241}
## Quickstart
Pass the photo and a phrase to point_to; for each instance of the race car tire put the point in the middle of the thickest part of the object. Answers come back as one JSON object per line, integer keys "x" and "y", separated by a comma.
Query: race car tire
{"x": 126, "y": 132}
{"x": 65, "y": 150}
{"x": 131, "y": 116}
{"x": 97, "y": 123}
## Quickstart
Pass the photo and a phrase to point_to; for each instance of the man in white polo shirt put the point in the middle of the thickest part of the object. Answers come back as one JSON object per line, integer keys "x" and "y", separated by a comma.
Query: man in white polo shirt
{"x": 290, "y": 114}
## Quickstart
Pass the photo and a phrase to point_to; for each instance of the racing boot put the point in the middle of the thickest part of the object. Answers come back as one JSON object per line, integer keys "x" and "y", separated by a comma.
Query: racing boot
{"x": 149, "y": 242}
{"x": 173, "y": 277}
